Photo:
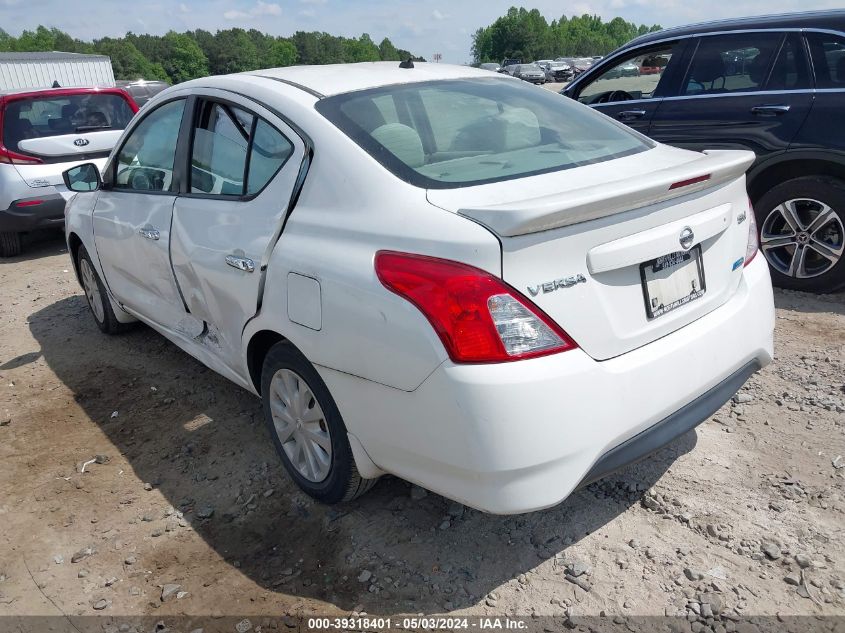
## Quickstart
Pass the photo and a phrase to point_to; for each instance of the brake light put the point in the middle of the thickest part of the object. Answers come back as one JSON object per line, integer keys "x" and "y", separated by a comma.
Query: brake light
{"x": 13, "y": 158}
{"x": 478, "y": 317}
{"x": 753, "y": 238}
{"x": 29, "y": 203}
{"x": 691, "y": 181}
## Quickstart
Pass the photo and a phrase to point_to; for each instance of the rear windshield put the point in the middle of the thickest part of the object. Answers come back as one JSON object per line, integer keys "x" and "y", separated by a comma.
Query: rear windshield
{"x": 40, "y": 117}
{"x": 448, "y": 134}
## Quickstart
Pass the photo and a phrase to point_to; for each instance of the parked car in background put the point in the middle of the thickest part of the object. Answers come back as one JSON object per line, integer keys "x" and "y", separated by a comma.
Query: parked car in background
{"x": 42, "y": 133}
{"x": 509, "y": 70}
{"x": 493, "y": 67}
{"x": 774, "y": 85}
{"x": 510, "y": 61}
{"x": 557, "y": 71}
{"x": 579, "y": 64}
{"x": 540, "y": 251}
{"x": 626, "y": 69}
{"x": 530, "y": 72}
{"x": 141, "y": 89}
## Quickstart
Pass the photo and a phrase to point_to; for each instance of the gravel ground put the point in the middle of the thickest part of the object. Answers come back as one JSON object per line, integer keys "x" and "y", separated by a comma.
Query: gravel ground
{"x": 186, "y": 510}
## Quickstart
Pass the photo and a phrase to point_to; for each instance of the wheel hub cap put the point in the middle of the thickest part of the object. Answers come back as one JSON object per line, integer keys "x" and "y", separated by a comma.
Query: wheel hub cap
{"x": 802, "y": 238}
{"x": 300, "y": 425}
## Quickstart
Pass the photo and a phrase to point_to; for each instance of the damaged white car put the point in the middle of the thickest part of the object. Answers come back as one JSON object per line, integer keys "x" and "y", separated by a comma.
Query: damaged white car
{"x": 458, "y": 278}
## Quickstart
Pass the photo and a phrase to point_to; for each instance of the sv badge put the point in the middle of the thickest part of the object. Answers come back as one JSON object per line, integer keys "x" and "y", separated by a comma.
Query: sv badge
{"x": 557, "y": 284}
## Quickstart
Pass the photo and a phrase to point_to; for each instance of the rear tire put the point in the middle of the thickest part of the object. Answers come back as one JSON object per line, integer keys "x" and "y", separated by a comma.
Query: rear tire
{"x": 10, "y": 244}
{"x": 97, "y": 297}
{"x": 307, "y": 428}
{"x": 802, "y": 230}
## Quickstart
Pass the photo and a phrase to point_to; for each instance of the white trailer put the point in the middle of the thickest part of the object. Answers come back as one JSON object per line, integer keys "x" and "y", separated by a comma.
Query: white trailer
{"x": 44, "y": 70}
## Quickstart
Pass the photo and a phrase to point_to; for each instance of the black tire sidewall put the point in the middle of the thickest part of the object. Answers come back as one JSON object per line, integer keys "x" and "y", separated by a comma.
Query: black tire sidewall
{"x": 335, "y": 486}
{"x": 108, "y": 315}
{"x": 827, "y": 190}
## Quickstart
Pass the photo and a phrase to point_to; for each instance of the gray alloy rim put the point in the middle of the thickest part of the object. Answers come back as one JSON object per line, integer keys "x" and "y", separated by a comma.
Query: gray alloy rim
{"x": 300, "y": 425}
{"x": 92, "y": 291}
{"x": 802, "y": 238}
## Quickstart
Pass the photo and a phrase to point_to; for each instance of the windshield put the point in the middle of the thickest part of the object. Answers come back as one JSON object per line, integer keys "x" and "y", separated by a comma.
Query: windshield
{"x": 447, "y": 134}
{"x": 41, "y": 117}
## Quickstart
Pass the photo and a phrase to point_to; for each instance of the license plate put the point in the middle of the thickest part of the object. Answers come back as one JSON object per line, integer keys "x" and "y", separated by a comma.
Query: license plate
{"x": 672, "y": 280}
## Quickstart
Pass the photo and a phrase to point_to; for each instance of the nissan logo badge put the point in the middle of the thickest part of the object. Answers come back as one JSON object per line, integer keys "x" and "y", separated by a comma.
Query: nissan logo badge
{"x": 81, "y": 142}
{"x": 686, "y": 238}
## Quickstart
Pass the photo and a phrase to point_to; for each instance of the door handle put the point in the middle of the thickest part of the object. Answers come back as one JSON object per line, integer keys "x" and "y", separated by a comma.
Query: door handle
{"x": 630, "y": 115}
{"x": 770, "y": 110}
{"x": 241, "y": 263}
{"x": 149, "y": 232}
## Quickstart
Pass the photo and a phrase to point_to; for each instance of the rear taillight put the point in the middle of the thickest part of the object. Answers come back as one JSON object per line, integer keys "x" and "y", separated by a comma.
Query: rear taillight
{"x": 478, "y": 317}
{"x": 13, "y": 158}
{"x": 753, "y": 238}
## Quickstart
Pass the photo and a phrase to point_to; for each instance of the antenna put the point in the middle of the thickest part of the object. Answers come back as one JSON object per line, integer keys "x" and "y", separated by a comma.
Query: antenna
{"x": 56, "y": 83}
{"x": 408, "y": 63}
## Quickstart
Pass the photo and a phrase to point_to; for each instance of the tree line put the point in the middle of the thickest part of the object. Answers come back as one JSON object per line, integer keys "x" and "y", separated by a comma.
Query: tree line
{"x": 526, "y": 35}
{"x": 177, "y": 57}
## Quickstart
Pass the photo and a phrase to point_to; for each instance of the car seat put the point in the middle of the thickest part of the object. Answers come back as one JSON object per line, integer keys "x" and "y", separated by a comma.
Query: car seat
{"x": 707, "y": 70}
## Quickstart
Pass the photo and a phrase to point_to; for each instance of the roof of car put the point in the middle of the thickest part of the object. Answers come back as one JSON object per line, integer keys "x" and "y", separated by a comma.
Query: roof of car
{"x": 333, "y": 79}
{"x": 833, "y": 20}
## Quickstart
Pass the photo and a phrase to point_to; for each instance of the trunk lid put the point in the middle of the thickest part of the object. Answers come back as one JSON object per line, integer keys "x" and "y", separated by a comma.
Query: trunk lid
{"x": 587, "y": 245}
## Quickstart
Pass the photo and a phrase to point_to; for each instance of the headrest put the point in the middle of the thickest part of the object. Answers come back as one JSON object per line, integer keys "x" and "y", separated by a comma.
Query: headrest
{"x": 521, "y": 129}
{"x": 403, "y": 142}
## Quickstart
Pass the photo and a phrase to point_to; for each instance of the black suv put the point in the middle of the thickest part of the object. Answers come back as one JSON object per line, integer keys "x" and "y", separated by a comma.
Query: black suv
{"x": 774, "y": 85}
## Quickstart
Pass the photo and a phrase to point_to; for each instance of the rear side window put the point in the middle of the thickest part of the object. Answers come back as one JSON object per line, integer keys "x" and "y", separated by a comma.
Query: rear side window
{"x": 828, "y": 53}
{"x": 731, "y": 63}
{"x": 221, "y": 143}
{"x": 43, "y": 117}
{"x": 790, "y": 71}
{"x": 234, "y": 152}
{"x": 472, "y": 131}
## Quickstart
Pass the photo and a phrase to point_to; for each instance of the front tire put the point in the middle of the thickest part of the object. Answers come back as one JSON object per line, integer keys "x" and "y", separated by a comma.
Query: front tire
{"x": 307, "y": 428}
{"x": 97, "y": 297}
{"x": 10, "y": 244}
{"x": 802, "y": 233}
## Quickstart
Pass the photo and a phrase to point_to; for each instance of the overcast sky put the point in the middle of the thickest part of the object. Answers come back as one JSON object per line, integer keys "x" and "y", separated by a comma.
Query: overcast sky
{"x": 443, "y": 26}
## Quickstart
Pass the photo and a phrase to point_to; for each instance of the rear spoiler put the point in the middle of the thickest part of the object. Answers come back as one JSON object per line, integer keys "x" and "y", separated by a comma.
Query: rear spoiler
{"x": 713, "y": 168}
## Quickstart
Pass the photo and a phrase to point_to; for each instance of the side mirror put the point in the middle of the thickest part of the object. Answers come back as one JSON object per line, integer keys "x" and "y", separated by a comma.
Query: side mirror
{"x": 82, "y": 178}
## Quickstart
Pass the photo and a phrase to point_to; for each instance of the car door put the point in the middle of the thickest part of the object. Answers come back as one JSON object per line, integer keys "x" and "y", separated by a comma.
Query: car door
{"x": 740, "y": 91}
{"x": 823, "y": 131}
{"x": 618, "y": 88}
{"x": 132, "y": 217}
{"x": 245, "y": 163}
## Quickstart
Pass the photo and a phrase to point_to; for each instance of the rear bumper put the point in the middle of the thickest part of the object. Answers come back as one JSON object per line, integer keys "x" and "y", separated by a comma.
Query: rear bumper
{"x": 518, "y": 437}
{"x": 34, "y": 212}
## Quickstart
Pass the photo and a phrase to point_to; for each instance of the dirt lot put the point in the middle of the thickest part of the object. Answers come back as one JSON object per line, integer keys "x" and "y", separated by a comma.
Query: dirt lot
{"x": 744, "y": 516}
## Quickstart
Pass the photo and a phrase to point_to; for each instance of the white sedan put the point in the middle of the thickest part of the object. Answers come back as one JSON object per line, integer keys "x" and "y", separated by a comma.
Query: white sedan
{"x": 455, "y": 277}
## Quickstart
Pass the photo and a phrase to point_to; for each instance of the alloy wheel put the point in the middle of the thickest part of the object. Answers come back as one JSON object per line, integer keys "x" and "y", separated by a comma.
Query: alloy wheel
{"x": 92, "y": 290}
{"x": 300, "y": 425}
{"x": 802, "y": 238}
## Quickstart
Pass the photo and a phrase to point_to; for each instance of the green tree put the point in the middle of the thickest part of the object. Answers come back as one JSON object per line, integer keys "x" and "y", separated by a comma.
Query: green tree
{"x": 526, "y": 35}
{"x": 387, "y": 51}
{"x": 41, "y": 39}
{"x": 182, "y": 57}
{"x": 127, "y": 61}
{"x": 7, "y": 42}
{"x": 279, "y": 52}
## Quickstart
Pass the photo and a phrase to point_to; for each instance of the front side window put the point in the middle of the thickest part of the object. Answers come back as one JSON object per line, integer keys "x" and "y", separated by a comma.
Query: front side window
{"x": 474, "y": 131}
{"x": 145, "y": 162}
{"x": 828, "y": 52}
{"x": 635, "y": 77}
{"x": 731, "y": 63}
